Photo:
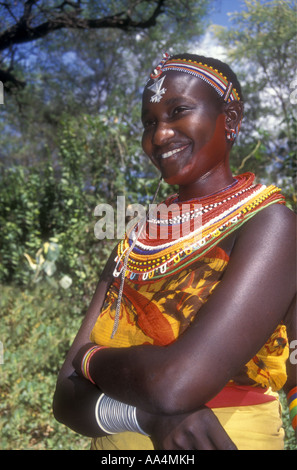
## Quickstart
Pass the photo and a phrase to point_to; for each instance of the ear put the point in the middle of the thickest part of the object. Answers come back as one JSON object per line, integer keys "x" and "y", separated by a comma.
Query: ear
{"x": 233, "y": 114}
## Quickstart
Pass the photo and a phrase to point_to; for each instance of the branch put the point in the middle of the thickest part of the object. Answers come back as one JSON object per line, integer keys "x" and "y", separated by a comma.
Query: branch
{"x": 22, "y": 32}
{"x": 249, "y": 155}
{"x": 58, "y": 18}
{"x": 8, "y": 78}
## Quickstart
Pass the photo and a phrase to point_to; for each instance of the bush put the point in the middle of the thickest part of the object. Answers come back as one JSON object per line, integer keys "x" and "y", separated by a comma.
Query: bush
{"x": 37, "y": 329}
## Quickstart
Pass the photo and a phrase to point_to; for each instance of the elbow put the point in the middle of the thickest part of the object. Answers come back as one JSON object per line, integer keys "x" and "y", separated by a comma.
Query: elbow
{"x": 168, "y": 394}
{"x": 167, "y": 399}
{"x": 57, "y": 408}
{"x": 60, "y": 405}
{"x": 177, "y": 392}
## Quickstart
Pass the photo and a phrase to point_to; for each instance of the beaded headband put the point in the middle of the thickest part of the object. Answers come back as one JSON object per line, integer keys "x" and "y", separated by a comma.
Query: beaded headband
{"x": 205, "y": 72}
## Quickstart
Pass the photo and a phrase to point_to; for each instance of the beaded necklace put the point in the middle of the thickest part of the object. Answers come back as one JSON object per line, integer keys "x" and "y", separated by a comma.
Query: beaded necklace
{"x": 218, "y": 214}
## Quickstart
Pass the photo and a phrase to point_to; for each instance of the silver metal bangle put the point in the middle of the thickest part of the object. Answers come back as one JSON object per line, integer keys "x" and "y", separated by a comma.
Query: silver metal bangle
{"x": 114, "y": 417}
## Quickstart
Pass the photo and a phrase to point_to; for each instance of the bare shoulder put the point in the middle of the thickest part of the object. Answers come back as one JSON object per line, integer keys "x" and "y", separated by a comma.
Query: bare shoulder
{"x": 267, "y": 243}
{"x": 273, "y": 222}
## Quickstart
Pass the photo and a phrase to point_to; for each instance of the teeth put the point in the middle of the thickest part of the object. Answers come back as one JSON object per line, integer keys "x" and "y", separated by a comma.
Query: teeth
{"x": 172, "y": 152}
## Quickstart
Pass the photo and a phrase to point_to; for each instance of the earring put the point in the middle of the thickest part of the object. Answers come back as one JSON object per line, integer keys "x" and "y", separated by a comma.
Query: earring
{"x": 231, "y": 135}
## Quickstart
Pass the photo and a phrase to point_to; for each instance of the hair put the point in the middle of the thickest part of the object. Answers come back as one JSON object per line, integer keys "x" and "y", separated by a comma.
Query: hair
{"x": 216, "y": 63}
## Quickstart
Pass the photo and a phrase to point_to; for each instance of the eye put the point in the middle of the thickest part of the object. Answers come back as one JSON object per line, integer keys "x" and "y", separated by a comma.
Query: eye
{"x": 148, "y": 123}
{"x": 179, "y": 110}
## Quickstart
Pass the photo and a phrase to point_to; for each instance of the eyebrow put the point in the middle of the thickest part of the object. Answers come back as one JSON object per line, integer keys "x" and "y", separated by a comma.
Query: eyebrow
{"x": 169, "y": 102}
{"x": 174, "y": 100}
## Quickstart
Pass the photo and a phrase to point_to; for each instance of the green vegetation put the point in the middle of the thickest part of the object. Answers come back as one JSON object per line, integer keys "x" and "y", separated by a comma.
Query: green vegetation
{"x": 37, "y": 328}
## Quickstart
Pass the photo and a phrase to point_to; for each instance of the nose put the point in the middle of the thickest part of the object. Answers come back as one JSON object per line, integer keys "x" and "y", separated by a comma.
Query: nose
{"x": 162, "y": 134}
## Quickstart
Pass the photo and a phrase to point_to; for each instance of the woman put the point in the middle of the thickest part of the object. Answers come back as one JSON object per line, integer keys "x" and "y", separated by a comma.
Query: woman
{"x": 184, "y": 344}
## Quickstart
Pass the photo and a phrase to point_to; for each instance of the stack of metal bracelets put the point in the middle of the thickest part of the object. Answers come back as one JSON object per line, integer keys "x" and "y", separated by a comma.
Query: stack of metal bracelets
{"x": 292, "y": 403}
{"x": 112, "y": 416}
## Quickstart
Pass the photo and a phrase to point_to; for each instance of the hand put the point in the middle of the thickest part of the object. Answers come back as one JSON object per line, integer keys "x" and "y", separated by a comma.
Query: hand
{"x": 200, "y": 430}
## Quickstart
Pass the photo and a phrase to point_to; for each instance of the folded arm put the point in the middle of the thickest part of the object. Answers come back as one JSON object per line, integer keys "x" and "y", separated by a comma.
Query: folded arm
{"x": 232, "y": 326}
{"x": 251, "y": 300}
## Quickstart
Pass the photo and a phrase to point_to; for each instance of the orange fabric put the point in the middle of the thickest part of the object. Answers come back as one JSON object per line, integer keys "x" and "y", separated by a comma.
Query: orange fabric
{"x": 158, "y": 312}
{"x": 149, "y": 318}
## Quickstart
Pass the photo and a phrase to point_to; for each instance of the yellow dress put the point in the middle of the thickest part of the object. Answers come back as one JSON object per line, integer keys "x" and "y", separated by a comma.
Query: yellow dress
{"x": 165, "y": 287}
{"x": 144, "y": 319}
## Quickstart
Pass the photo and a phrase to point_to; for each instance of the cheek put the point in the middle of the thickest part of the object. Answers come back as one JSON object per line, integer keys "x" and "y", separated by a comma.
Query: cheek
{"x": 213, "y": 136}
{"x": 147, "y": 147}
{"x": 146, "y": 142}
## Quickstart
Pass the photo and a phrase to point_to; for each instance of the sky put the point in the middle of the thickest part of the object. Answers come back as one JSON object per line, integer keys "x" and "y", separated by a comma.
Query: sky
{"x": 208, "y": 45}
{"x": 221, "y": 10}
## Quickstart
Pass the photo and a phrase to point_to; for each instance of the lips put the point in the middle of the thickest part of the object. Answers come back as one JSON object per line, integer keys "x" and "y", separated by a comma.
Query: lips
{"x": 173, "y": 152}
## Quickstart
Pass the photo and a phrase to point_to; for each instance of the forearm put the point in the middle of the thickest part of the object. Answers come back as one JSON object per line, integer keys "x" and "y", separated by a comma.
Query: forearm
{"x": 74, "y": 405}
{"x": 131, "y": 375}
{"x": 149, "y": 378}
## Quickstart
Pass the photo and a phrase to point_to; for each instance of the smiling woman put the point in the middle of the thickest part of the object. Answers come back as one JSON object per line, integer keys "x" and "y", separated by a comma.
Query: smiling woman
{"x": 186, "y": 132}
{"x": 185, "y": 343}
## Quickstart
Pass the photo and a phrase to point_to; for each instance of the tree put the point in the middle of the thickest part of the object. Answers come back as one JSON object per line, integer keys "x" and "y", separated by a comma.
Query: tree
{"x": 262, "y": 47}
{"x": 33, "y": 19}
{"x": 25, "y": 22}
{"x": 74, "y": 70}
{"x": 71, "y": 137}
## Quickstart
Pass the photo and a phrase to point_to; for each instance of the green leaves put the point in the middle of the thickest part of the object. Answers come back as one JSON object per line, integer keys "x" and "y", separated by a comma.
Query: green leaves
{"x": 37, "y": 327}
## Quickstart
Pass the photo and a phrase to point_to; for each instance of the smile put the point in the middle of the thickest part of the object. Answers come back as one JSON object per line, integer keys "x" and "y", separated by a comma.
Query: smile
{"x": 173, "y": 152}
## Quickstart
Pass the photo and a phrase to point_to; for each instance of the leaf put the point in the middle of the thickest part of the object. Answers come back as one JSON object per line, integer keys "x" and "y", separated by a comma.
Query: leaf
{"x": 53, "y": 251}
{"x": 65, "y": 282}
{"x": 31, "y": 262}
{"x": 49, "y": 267}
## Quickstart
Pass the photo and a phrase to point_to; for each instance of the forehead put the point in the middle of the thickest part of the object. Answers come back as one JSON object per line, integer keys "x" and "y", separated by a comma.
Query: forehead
{"x": 180, "y": 85}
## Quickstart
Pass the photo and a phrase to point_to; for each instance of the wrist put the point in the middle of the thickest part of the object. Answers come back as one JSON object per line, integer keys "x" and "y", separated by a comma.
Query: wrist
{"x": 115, "y": 417}
{"x": 86, "y": 361}
{"x": 146, "y": 420}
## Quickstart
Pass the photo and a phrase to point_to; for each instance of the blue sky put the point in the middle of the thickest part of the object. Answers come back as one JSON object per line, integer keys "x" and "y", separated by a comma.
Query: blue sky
{"x": 221, "y": 10}
{"x": 208, "y": 45}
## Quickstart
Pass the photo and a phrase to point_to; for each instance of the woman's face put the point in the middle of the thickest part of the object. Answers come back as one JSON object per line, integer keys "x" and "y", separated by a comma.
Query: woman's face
{"x": 184, "y": 133}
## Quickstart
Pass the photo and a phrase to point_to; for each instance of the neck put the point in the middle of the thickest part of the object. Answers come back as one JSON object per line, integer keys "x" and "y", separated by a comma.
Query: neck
{"x": 213, "y": 181}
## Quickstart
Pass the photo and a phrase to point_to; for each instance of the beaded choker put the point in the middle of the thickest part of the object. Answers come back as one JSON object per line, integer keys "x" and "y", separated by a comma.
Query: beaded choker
{"x": 190, "y": 234}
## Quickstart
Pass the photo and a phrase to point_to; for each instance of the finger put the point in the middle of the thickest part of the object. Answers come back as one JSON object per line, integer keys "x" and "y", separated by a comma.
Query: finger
{"x": 178, "y": 442}
{"x": 193, "y": 441}
{"x": 219, "y": 437}
{"x": 204, "y": 444}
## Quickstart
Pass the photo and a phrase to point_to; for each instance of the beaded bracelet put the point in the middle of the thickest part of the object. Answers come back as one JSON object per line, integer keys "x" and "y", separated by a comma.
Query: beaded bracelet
{"x": 292, "y": 403}
{"x": 85, "y": 363}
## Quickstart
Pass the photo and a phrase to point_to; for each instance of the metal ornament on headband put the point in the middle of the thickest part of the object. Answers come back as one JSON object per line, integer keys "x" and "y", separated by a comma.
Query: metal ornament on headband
{"x": 159, "y": 91}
